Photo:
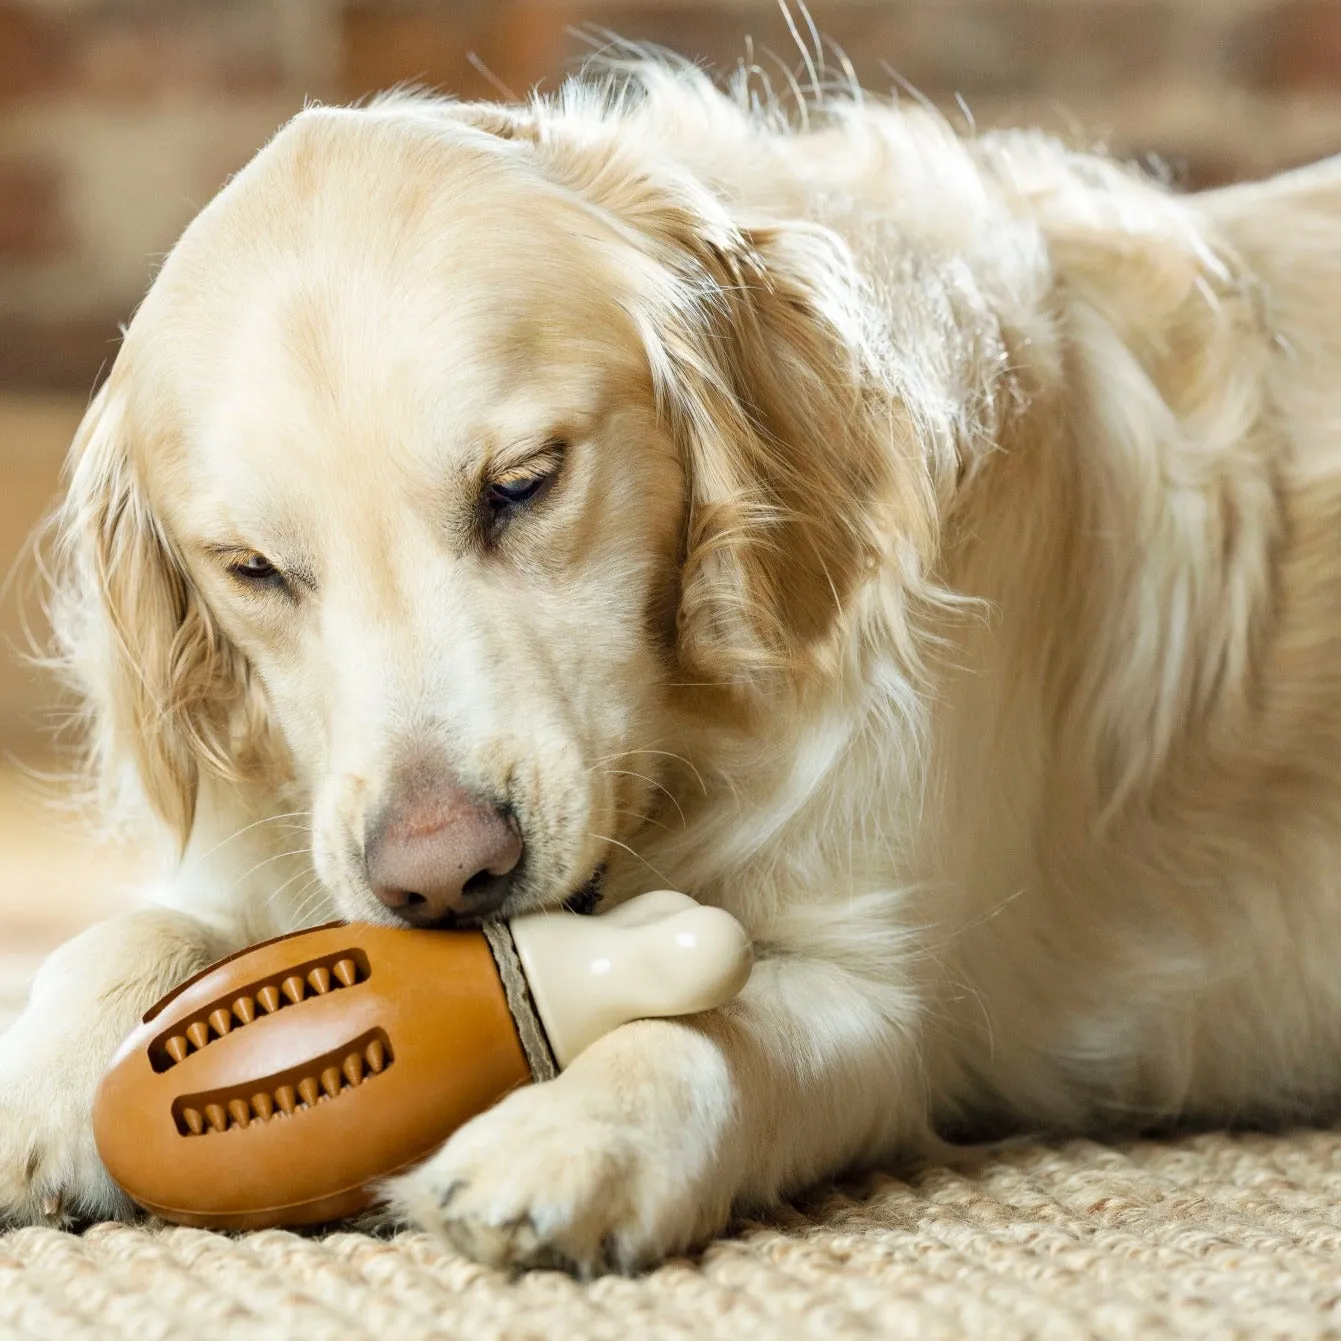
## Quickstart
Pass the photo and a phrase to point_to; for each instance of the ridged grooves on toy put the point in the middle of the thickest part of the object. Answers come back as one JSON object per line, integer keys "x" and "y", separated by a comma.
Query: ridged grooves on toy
{"x": 346, "y": 968}
{"x": 288, "y": 1094}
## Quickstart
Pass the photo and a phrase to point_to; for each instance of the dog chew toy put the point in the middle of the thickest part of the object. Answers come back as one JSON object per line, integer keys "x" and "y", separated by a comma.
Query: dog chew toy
{"x": 279, "y": 1086}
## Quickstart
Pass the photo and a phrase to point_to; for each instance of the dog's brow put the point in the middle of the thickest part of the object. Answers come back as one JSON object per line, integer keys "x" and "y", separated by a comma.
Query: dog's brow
{"x": 546, "y": 447}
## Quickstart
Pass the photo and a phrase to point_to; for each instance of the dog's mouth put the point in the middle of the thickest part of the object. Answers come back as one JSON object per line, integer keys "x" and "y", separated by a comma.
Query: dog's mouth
{"x": 583, "y": 900}
{"x": 587, "y": 899}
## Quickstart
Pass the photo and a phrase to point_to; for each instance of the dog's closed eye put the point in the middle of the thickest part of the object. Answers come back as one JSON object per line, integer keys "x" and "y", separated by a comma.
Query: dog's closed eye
{"x": 511, "y": 491}
{"x": 256, "y": 567}
{"x": 251, "y": 569}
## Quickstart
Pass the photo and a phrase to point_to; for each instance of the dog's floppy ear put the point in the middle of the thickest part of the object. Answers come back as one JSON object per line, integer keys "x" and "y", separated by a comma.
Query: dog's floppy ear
{"x": 764, "y": 368}
{"x": 760, "y": 364}
{"x": 165, "y": 695}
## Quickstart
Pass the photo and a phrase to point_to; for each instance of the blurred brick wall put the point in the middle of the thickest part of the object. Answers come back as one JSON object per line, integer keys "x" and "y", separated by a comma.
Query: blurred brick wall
{"x": 119, "y": 118}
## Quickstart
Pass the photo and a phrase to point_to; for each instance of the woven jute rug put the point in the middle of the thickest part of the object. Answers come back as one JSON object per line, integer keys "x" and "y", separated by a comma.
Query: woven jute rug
{"x": 1209, "y": 1236}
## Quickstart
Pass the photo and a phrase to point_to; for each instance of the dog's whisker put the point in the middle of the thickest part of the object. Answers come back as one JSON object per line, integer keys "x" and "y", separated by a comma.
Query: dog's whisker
{"x": 312, "y": 900}
{"x": 256, "y": 824}
{"x": 668, "y": 754}
{"x": 266, "y": 861}
{"x": 651, "y": 782}
{"x": 642, "y": 819}
{"x": 615, "y": 842}
{"x": 275, "y": 894}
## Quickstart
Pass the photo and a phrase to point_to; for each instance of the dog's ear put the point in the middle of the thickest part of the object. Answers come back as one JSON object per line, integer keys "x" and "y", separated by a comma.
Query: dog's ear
{"x": 762, "y": 380}
{"x": 164, "y": 694}
{"x": 765, "y": 369}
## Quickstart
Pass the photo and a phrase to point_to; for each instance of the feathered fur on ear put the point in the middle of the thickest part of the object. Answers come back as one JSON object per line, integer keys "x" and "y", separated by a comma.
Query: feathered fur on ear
{"x": 770, "y": 380}
{"x": 164, "y": 693}
{"x": 760, "y": 363}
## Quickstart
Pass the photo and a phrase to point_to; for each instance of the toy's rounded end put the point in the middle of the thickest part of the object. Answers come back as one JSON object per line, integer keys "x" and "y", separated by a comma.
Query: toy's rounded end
{"x": 656, "y": 956}
{"x": 701, "y": 959}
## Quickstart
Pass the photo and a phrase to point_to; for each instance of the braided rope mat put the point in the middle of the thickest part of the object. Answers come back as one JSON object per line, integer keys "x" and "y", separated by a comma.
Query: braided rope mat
{"x": 1208, "y": 1236}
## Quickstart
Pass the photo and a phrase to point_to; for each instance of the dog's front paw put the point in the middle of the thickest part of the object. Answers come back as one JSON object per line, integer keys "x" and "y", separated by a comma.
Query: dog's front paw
{"x": 50, "y": 1173}
{"x": 559, "y": 1175}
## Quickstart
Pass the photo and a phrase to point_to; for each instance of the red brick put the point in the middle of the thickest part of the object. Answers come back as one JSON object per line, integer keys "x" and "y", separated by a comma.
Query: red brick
{"x": 34, "y": 49}
{"x": 32, "y": 222}
{"x": 528, "y": 45}
{"x": 1202, "y": 171}
{"x": 385, "y": 44}
{"x": 715, "y": 36}
{"x": 1294, "y": 46}
{"x": 188, "y": 48}
{"x": 995, "y": 49}
{"x": 985, "y": 48}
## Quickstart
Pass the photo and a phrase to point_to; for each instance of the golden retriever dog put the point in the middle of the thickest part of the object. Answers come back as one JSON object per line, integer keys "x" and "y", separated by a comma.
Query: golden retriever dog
{"x": 927, "y": 548}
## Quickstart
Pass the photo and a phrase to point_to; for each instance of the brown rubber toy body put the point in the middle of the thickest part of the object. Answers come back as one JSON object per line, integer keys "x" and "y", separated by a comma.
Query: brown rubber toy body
{"x": 278, "y": 1085}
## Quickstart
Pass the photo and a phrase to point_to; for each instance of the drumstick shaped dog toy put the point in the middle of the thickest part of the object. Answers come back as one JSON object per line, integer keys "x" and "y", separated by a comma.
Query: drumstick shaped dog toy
{"x": 281, "y": 1085}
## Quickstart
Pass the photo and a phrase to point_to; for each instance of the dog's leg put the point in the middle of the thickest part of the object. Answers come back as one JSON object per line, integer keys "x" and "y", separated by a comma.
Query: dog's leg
{"x": 645, "y": 1143}
{"x": 87, "y": 997}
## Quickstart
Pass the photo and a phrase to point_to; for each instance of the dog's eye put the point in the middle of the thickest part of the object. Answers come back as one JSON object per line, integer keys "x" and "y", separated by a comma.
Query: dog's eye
{"x": 513, "y": 493}
{"x": 503, "y": 498}
{"x": 256, "y": 569}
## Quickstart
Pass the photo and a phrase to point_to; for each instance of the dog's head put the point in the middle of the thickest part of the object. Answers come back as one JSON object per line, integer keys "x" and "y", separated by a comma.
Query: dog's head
{"x": 456, "y": 458}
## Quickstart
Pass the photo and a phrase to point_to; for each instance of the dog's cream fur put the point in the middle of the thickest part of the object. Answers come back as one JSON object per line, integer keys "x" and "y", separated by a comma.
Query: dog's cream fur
{"x": 942, "y": 574}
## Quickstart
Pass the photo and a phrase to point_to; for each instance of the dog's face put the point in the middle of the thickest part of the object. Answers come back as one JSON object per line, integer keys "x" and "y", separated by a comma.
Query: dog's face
{"x": 425, "y": 492}
{"x": 437, "y": 518}
{"x": 412, "y": 473}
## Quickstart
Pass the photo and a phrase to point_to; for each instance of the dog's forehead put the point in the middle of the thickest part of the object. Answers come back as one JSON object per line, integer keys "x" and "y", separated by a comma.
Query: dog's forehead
{"x": 349, "y": 177}
{"x": 380, "y": 294}
{"x": 356, "y": 241}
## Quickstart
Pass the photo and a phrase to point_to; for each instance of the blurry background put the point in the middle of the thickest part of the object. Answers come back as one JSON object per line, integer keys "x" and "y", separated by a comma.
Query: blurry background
{"x": 120, "y": 118}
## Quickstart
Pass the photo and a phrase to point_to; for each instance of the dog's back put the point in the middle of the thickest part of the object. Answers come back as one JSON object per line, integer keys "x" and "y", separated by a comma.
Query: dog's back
{"x": 1163, "y": 851}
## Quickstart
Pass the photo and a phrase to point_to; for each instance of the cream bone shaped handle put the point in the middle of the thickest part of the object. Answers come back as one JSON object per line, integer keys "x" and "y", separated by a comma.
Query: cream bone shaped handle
{"x": 657, "y": 955}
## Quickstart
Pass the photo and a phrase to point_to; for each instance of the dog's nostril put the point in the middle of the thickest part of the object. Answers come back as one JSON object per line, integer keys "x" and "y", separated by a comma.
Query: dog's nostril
{"x": 413, "y": 900}
{"x": 476, "y": 884}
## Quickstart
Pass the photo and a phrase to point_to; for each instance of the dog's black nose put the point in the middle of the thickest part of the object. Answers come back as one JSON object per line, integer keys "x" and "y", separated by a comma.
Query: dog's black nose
{"x": 442, "y": 855}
